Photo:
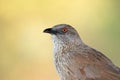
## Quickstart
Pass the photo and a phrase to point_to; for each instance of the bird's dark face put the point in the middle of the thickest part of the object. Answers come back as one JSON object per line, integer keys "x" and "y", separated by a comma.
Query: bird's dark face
{"x": 61, "y": 29}
{"x": 64, "y": 33}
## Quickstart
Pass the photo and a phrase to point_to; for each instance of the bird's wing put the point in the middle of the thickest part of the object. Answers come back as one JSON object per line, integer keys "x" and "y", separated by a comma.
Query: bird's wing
{"x": 93, "y": 65}
{"x": 103, "y": 60}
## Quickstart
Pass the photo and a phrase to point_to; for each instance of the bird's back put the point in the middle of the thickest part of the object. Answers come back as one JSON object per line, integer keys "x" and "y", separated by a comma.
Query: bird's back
{"x": 98, "y": 66}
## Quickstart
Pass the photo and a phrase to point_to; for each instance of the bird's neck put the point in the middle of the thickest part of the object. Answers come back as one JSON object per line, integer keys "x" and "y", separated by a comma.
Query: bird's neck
{"x": 60, "y": 45}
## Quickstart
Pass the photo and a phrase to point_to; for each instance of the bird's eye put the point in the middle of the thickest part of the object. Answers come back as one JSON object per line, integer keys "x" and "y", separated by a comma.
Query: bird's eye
{"x": 64, "y": 30}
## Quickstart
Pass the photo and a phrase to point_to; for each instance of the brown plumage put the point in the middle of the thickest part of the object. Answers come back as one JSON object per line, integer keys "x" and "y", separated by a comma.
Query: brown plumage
{"x": 74, "y": 60}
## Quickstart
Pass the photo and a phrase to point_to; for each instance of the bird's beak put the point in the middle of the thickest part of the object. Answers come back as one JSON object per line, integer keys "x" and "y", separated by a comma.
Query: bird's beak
{"x": 49, "y": 30}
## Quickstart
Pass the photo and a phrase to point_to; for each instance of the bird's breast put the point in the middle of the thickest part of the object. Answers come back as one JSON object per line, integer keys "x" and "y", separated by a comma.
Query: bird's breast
{"x": 63, "y": 60}
{"x": 63, "y": 63}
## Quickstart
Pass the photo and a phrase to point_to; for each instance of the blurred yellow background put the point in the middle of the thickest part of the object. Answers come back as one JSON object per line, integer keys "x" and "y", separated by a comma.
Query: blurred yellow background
{"x": 26, "y": 52}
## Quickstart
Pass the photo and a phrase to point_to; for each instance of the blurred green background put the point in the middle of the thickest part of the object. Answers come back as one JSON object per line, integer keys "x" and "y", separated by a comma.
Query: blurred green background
{"x": 26, "y": 52}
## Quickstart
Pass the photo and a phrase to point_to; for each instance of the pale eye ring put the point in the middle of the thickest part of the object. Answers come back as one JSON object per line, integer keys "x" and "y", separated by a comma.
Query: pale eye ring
{"x": 64, "y": 30}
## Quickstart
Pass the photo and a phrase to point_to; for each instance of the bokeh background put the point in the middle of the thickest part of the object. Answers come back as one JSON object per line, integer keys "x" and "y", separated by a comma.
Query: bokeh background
{"x": 26, "y": 52}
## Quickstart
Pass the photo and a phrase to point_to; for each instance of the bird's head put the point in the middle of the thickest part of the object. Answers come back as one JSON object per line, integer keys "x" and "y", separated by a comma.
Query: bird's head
{"x": 64, "y": 33}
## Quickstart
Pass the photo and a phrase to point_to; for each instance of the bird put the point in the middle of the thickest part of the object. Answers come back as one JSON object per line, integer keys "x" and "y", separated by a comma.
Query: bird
{"x": 75, "y": 60}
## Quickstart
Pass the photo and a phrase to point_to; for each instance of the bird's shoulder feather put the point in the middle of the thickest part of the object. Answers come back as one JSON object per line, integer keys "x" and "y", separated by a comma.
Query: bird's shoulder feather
{"x": 95, "y": 65}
